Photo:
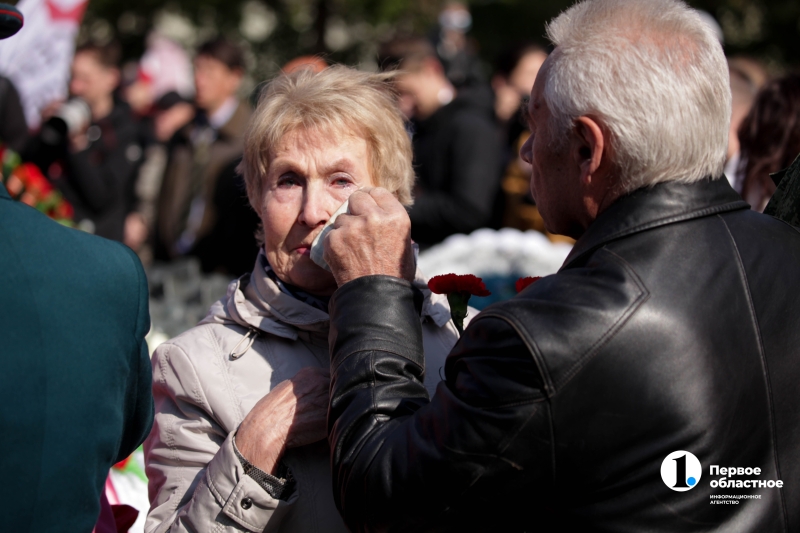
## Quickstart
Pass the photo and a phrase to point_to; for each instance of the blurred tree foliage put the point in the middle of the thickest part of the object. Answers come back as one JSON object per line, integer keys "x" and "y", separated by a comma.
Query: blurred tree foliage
{"x": 764, "y": 29}
{"x": 350, "y": 30}
{"x": 274, "y": 31}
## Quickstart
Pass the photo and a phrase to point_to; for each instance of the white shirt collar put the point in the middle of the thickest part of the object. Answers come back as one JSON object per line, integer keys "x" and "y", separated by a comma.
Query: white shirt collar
{"x": 221, "y": 116}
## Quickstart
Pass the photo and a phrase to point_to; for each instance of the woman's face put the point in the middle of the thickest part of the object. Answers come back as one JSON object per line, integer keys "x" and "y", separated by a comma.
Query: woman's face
{"x": 311, "y": 174}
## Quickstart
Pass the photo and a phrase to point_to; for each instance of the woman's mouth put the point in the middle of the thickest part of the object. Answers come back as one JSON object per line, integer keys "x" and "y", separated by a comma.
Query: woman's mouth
{"x": 303, "y": 249}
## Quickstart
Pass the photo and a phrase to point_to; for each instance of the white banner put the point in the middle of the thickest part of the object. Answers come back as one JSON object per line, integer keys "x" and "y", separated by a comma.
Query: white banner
{"x": 38, "y": 58}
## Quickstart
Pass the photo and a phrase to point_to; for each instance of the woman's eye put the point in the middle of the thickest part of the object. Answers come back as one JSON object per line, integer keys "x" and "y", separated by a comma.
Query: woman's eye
{"x": 287, "y": 181}
{"x": 342, "y": 181}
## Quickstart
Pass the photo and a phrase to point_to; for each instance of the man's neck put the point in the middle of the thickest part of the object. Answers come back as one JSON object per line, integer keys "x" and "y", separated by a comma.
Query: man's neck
{"x": 594, "y": 205}
{"x": 445, "y": 94}
{"x": 102, "y": 108}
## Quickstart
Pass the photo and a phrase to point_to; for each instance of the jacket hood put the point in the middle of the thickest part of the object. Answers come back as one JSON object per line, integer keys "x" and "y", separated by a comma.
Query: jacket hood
{"x": 255, "y": 302}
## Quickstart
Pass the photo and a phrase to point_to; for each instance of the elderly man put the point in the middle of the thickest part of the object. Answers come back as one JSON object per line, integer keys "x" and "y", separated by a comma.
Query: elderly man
{"x": 650, "y": 380}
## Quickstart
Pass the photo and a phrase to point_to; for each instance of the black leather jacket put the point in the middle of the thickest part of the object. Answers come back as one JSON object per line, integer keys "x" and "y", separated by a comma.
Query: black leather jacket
{"x": 673, "y": 325}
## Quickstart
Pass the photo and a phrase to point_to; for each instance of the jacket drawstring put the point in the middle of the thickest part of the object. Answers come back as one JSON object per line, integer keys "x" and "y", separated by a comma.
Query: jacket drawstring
{"x": 250, "y": 337}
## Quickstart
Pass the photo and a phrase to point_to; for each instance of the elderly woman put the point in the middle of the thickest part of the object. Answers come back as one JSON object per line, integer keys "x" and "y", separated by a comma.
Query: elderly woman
{"x": 238, "y": 442}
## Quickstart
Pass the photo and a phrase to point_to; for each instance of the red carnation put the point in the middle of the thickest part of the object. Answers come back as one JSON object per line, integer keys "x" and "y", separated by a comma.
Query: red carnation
{"x": 524, "y": 282}
{"x": 449, "y": 283}
{"x": 34, "y": 179}
{"x": 458, "y": 290}
{"x": 63, "y": 210}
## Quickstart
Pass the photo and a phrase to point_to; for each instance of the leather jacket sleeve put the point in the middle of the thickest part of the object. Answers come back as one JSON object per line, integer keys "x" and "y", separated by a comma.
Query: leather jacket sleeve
{"x": 404, "y": 463}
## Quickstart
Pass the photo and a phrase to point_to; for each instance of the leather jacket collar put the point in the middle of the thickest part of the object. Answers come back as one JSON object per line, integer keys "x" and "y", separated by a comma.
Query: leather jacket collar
{"x": 659, "y": 205}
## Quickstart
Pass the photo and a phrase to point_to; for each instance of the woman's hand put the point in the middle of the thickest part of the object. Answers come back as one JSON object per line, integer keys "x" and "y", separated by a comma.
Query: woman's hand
{"x": 292, "y": 414}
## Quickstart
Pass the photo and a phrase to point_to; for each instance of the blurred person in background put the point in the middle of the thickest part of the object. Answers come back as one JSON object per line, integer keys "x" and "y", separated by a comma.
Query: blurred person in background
{"x": 164, "y": 118}
{"x": 315, "y": 63}
{"x": 747, "y": 78}
{"x": 160, "y": 94}
{"x": 230, "y": 246}
{"x": 241, "y": 400}
{"x": 457, "y": 152}
{"x": 454, "y": 49}
{"x": 90, "y": 148}
{"x": 769, "y": 138}
{"x": 750, "y": 69}
{"x": 164, "y": 68}
{"x": 200, "y": 152}
{"x": 515, "y": 72}
{"x": 13, "y": 126}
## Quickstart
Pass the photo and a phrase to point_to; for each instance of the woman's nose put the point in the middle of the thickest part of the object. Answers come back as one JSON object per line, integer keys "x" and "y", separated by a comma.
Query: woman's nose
{"x": 317, "y": 206}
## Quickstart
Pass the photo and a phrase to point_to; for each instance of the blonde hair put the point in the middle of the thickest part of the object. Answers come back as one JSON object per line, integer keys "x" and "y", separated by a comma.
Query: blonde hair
{"x": 337, "y": 99}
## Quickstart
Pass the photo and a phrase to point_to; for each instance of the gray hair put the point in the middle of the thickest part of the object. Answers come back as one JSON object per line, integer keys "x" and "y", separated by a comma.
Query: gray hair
{"x": 655, "y": 75}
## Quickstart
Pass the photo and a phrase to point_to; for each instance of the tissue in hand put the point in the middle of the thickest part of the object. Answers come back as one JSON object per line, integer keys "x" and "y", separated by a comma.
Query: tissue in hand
{"x": 317, "y": 247}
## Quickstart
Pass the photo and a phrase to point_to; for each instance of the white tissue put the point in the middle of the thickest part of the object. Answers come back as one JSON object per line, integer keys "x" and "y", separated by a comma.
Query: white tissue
{"x": 318, "y": 247}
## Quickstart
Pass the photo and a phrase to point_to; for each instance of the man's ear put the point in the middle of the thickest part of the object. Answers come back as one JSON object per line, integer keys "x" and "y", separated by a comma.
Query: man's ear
{"x": 589, "y": 147}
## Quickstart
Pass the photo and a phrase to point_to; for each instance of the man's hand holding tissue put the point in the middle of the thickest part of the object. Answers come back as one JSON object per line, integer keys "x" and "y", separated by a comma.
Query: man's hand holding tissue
{"x": 373, "y": 239}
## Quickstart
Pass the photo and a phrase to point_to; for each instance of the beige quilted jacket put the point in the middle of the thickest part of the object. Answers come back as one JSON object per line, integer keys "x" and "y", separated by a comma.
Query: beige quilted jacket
{"x": 206, "y": 380}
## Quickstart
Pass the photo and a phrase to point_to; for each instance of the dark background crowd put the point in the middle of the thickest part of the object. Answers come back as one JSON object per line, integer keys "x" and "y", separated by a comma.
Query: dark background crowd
{"x": 147, "y": 145}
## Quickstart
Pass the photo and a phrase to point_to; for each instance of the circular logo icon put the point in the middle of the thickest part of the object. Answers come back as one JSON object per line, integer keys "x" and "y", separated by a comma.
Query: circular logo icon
{"x": 681, "y": 471}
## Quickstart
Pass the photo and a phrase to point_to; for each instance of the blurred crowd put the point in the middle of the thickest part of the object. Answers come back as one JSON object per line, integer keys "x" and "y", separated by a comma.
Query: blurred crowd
{"x": 148, "y": 155}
